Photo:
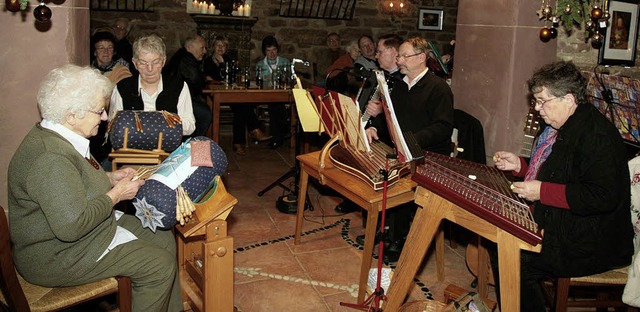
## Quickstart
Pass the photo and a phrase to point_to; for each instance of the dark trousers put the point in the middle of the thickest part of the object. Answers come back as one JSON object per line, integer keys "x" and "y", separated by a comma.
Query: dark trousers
{"x": 531, "y": 274}
{"x": 244, "y": 117}
{"x": 278, "y": 121}
{"x": 202, "y": 114}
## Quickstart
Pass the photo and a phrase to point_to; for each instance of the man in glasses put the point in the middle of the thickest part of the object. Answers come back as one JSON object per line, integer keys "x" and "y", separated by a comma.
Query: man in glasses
{"x": 423, "y": 104}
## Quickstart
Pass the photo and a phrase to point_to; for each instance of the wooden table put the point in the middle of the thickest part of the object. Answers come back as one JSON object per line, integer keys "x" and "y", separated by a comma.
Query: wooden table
{"x": 217, "y": 96}
{"x": 360, "y": 193}
{"x": 432, "y": 210}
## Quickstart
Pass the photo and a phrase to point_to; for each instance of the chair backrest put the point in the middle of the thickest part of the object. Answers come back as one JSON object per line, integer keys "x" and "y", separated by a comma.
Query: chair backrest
{"x": 9, "y": 283}
{"x": 470, "y": 137}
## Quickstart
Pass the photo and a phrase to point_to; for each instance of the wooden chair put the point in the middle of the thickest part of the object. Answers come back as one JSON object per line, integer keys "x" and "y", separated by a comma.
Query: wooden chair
{"x": 22, "y": 296}
{"x": 606, "y": 286}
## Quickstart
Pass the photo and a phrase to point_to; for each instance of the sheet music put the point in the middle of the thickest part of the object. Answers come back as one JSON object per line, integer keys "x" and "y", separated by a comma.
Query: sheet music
{"x": 404, "y": 154}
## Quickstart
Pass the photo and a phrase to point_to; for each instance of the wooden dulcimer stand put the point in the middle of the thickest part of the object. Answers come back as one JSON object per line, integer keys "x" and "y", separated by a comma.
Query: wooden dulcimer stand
{"x": 479, "y": 202}
{"x": 205, "y": 254}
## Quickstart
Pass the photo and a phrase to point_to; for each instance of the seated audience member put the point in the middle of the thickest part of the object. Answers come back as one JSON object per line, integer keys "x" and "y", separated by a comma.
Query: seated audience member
{"x": 102, "y": 46}
{"x": 367, "y": 59}
{"x": 186, "y": 65}
{"x": 151, "y": 90}
{"x": 577, "y": 182}
{"x": 214, "y": 66}
{"x": 328, "y": 57}
{"x": 424, "y": 106}
{"x": 338, "y": 80}
{"x": 121, "y": 28}
{"x": 267, "y": 67}
{"x": 244, "y": 116}
{"x": 64, "y": 230}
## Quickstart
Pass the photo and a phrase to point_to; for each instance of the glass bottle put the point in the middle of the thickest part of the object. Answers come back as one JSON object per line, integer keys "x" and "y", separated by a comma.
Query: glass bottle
{"x": 247, "y": 80}
{"x": 259, "y": 81}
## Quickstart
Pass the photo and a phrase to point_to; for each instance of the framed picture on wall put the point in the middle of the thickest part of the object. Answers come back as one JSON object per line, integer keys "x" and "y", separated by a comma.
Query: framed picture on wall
{"x": 621, "y": 38}
{"x": 430, "y": 19}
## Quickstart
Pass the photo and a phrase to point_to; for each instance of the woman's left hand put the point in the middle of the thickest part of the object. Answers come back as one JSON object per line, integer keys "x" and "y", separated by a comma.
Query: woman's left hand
{"x": 529, "y": 190}
{"x": 120, "y": 174}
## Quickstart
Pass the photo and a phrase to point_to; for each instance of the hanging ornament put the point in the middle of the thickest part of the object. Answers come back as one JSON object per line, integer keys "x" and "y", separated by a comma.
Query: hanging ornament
{"x": 12, "y": 5}
{"x": 589, "y": 24}
{"x": 547, "y": 11}
{"x": 545, "y": 34}
{"x": 42, "y": 13}
{"x": 567, "y": 9}
{"x": 554, "y": 32}
{"x": 596, "y": 13}
{"x": 596, "y": 40}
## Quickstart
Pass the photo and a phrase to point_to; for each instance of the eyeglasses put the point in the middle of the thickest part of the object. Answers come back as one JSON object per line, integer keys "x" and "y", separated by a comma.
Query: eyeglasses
{"x": 153, "y": 63}
{"x": 535, "y": 102}
{"x": 104, "y": 49}
{"x": 99, "y": 112}
{"x": 404, "y": 57}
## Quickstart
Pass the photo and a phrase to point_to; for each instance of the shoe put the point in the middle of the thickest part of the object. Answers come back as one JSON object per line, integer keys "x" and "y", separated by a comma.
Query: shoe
{"x": 259, "y": 136}
{"x": 393, "y": 250}
{"x": 346, "y": 206}
{"x": 275, "y": 143}
{"x": 239, "y": 149}
{"x": 360, "y": 239}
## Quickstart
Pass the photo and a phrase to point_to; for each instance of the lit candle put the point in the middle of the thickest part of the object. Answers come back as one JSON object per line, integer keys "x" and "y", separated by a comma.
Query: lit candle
{"x": 247, "y": 10}
{"x": 204, "y": 7}
{"x": 240, "y": 10}
{"x": 212, "y": 8}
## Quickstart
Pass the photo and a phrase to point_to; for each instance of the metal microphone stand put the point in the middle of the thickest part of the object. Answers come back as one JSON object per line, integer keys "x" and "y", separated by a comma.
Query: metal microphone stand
{"x": 289, "y": 203}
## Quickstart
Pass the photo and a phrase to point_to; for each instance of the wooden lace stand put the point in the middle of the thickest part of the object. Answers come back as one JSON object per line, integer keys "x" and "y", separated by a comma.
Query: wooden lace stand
{"x": 133, "y": 156}
{"x": 205, "y": 254}
{"x": 426, "y": 227}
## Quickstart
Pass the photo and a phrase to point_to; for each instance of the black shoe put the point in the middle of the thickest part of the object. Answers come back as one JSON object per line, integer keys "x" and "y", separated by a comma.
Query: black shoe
{"x": 360, "y": 239}
{"x": 275, "y": 143}
{"x": 346, "y": 206}
{"x": 391, "y": 256}
{"x": 393, "y": 250}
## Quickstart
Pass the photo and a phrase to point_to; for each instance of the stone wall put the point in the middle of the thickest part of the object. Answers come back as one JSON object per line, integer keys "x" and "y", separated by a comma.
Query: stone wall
{"x": 575, "y": 48}
{"x": 303, "y": 38}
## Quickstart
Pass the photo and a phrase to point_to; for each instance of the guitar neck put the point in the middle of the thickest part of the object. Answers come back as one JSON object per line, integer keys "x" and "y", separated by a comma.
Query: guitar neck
{"x": 531, "y": 128}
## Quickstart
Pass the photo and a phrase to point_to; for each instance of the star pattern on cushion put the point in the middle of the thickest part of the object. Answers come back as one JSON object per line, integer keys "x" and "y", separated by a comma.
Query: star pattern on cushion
{"x": 148, "y": 214}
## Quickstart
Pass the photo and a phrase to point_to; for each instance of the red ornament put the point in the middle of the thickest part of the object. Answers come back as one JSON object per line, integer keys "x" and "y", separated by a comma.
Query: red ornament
{"x": 545, "y": 34}
{"x": 12, "y": 5}
{"x": 596, "y": 13}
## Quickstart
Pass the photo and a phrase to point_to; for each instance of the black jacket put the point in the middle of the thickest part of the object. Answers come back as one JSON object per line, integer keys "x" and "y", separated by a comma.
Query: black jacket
{"x": 426, "y": 110}
{"x": 184, "y": 66}
{"x": 595, "y": 234}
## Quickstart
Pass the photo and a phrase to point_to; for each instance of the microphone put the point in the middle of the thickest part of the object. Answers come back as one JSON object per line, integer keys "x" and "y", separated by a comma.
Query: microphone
{"x": 303, "y": 62}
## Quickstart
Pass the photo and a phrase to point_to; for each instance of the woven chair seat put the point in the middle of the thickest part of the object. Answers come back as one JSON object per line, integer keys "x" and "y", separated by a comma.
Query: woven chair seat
{"x": 614, "y": 277}
{"x": 51, "y": 299}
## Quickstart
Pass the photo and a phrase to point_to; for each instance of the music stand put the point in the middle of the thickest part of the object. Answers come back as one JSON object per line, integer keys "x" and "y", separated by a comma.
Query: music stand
{"x": 288, "y": 203}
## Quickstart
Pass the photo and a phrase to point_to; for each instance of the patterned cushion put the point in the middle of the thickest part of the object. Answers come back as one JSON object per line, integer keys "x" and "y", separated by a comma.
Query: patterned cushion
{"x": 145, "y": 128}
{"x": 155, "y": 202}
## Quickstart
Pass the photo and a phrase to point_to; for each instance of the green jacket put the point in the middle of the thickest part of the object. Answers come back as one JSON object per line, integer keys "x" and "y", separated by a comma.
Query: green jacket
{"x": 60, "y": 218}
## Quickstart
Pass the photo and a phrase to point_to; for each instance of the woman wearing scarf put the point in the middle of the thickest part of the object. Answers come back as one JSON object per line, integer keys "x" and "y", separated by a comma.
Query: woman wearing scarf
{"x": 577, "y": 183}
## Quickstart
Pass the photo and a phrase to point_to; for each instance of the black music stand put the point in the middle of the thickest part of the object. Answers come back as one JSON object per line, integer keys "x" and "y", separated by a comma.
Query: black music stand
{"x": 288, "y": 203}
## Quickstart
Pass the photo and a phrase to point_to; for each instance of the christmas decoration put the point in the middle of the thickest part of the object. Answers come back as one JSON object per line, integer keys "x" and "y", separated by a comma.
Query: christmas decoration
{"x": 591, "y": 16}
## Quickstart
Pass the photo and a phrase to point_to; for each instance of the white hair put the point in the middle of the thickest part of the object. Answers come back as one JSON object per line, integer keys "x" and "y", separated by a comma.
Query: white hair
{"x": 71, "y": 89}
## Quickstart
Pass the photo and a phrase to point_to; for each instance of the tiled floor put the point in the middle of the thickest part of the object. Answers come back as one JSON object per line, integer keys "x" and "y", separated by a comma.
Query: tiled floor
{"x": 273, "y": 274}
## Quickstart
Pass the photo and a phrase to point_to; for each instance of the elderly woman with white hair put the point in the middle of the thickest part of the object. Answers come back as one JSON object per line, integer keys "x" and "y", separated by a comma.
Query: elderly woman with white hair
{"x": 64, "y": 229}
{"x": 150, "y": 90}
